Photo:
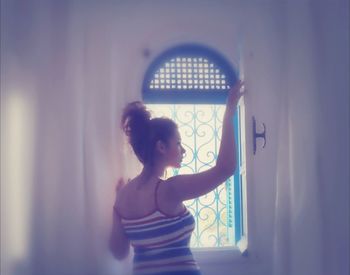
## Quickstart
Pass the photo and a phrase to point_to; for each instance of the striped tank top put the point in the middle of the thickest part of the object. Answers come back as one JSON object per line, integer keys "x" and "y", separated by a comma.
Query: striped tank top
{"x": 161, "y": 242}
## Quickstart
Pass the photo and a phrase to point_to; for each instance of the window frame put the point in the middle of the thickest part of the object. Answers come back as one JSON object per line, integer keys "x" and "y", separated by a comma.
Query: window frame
{"x": 198, "y": 96}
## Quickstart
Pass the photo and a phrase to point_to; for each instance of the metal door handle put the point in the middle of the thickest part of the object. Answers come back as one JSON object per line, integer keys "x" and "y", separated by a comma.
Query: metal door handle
{"x": 258, "y": 135}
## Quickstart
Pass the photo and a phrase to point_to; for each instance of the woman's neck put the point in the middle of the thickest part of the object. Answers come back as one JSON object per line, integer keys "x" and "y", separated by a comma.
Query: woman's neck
{"x": 150, "y": 173}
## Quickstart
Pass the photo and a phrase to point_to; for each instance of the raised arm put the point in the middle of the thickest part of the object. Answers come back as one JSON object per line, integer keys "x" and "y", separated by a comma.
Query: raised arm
{"x": 185, "y": 187}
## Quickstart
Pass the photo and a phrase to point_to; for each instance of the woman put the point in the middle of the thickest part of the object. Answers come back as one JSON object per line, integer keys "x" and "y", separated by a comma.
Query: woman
{"x": 149, "y": 212}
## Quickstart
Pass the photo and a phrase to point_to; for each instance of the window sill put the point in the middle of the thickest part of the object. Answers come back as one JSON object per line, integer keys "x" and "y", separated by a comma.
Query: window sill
{"x": 222, "y": 254}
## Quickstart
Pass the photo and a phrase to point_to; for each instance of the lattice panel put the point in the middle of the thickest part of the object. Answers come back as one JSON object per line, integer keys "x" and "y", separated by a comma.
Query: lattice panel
{"x": 187, "y": 73}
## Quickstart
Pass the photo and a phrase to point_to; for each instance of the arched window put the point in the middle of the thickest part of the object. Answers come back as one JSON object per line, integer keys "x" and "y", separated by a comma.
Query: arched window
{"x": 189, "y": 83}
{"x": 188, "y": 74}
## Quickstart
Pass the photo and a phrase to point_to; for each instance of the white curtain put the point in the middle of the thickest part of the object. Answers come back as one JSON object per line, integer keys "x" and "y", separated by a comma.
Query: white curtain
{"x": 63, "y": 86}
{"x": 61, "y": 147}
{"x": 311, "y": 215}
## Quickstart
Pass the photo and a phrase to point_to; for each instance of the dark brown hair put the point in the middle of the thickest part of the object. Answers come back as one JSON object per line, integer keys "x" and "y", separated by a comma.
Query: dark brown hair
{"x": 144, "y": 132}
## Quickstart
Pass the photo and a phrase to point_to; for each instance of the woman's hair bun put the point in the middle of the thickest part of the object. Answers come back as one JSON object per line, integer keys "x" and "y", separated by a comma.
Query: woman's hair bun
{"x": 144, "y": 132}
{"x": 135, "y": 115}
{"x": 136, "y": 125}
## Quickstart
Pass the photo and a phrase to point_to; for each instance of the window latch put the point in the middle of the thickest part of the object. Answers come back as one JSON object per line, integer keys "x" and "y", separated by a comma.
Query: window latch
{"x": 258, "y": 135}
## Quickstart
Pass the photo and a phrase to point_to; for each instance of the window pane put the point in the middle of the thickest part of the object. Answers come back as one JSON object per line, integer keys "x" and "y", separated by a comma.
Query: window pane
{"x": 200, "y": 128}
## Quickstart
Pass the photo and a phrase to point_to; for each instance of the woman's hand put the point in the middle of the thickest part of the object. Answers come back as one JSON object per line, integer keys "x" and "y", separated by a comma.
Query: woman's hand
{"x": 119, "y": 186}
{"x": 119, "y": 243}
{"x": 235, "y": 94}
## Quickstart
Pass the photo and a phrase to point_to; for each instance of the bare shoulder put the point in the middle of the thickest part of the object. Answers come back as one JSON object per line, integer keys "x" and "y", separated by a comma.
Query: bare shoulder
{"x": 166, "y": 199}
{"x": 190, "y": 186}
{"x": 123, "y": 194}
{"x": 132, "y": 202}
{"x": 165, "y": 189}
{"x": 170, "y": 188}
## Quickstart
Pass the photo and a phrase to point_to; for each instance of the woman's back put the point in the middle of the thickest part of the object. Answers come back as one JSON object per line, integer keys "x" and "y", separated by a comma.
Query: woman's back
{"x": 160, "y": 240}
{"x": 137, "y": 199}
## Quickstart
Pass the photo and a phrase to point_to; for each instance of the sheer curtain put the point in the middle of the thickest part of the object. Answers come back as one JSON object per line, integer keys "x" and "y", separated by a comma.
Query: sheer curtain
{"x": 62, "y": 150}
{"x": 311, "y": 215}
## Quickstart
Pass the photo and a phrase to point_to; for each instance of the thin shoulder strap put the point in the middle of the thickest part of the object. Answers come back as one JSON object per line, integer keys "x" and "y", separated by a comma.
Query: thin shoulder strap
{"x": 155, "y": 194}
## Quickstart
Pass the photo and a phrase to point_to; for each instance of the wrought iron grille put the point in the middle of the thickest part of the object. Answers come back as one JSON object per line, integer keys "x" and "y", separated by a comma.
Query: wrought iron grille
{"x": 200, "y": 128}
